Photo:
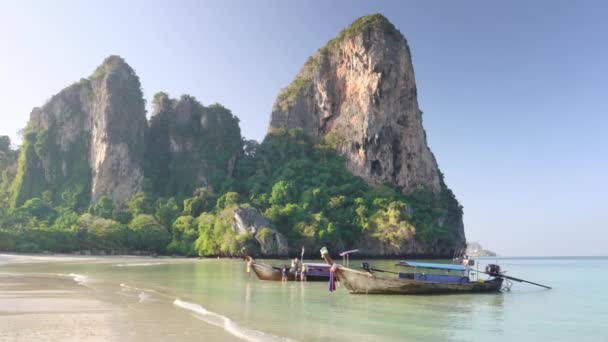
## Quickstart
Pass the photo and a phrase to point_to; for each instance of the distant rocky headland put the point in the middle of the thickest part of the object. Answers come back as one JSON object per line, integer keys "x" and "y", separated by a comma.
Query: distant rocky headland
{"x": 474, "y": 249}
{"x": 345, "y": 163}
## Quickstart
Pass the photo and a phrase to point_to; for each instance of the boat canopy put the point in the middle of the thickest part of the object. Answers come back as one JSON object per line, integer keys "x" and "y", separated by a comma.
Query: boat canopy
{"x": 316, "y": 264}
{"x": 349, "y": 252}
{"x": 451, "y": 267}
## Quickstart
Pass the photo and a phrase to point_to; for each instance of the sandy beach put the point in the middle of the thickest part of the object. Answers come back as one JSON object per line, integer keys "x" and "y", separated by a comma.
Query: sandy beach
{"x": 43, "y": 308}
{"x": 42, "y": 301}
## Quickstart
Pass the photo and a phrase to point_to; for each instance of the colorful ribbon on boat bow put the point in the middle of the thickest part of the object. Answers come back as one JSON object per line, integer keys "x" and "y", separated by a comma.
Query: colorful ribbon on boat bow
{"x": 332, "y": 277}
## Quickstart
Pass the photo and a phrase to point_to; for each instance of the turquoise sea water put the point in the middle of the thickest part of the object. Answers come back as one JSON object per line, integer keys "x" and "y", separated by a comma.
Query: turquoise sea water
{"x": 219, "y": 295}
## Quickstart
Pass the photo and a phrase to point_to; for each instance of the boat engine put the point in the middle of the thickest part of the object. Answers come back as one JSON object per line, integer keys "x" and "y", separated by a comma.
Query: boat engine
{"x": 493, "y": 270}
{"x": 365, "y": 266}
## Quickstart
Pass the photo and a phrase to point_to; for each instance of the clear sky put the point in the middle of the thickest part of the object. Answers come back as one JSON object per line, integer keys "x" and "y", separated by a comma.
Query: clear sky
{"x": 514, "y": 93}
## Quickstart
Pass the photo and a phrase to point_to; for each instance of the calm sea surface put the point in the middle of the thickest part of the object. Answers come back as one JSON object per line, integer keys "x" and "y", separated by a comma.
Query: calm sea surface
{"x": 219, "y": 295}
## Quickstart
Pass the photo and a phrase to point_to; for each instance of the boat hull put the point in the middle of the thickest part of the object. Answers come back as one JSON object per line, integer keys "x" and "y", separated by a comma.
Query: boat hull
{"x": 367, "y": 283}
{"x": 267, "y": 272}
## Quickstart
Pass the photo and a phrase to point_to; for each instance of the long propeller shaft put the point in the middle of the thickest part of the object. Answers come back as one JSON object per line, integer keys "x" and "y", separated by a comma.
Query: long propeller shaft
{"x": 516, "y": 279}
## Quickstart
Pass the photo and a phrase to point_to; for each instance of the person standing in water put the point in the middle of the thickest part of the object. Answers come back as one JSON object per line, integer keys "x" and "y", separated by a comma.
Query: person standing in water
{"x": 303, "y": 271}
{"x": 285, "y": 273}
{"x": 295, "y": 267}
{"x": 249, "y": 262}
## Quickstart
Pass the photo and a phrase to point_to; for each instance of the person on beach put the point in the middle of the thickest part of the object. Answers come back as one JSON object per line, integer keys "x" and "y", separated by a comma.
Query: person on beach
{"x": 284, "y": 272}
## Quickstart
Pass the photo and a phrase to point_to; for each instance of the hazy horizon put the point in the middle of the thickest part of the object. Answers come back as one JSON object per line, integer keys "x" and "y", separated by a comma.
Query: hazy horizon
{"x": 513, "y": 94}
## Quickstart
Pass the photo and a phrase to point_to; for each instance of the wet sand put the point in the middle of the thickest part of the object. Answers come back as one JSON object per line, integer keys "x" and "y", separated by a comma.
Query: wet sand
{"x": 40, "y": 308}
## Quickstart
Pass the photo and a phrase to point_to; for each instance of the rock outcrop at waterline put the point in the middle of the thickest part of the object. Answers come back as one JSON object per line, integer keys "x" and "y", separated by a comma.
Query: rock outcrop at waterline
{"x": 87, "y": 140}
{"x": 474, "y": 249}
{"x": 250, "y": 221}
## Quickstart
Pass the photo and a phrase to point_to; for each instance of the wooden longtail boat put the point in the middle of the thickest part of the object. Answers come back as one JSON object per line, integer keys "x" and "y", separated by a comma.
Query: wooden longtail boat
{"x": 314, "y": 272}
{"x": 368, "y": 282}
{"x": 267, "y": 272}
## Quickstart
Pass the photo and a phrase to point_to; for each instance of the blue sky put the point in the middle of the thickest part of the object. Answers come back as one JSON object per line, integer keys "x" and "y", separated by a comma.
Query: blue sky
{"x": 514, "y": 93}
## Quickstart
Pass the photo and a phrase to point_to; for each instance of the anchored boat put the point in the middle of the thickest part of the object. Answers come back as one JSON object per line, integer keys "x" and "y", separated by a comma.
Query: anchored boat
{"x": 312, "y": 271}
{"x": 456, "y": 278}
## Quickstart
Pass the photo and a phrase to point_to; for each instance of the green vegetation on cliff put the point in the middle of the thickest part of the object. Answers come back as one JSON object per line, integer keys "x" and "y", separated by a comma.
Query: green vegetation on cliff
{"x": 191, "y": 185}
{"x": 189, "y": 146}
{"x": 29, "y": 180}
{"x": 44, "y": 166}
{"x": 309, "y": 196}
{"x": 8, "y": 169}
{"x": 364, "y": 24}
{"x": 303, "y": 189}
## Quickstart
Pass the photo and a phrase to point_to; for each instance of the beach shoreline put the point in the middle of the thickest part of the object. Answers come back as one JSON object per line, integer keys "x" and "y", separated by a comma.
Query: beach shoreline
{"x": 43, "y": 303}
{"x": 46, "y": 257}
{"x": 49, "y": 257}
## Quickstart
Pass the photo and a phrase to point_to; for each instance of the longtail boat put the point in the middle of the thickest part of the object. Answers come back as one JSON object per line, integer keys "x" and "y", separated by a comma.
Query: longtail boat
{"x": 457, "y": 279}
{"x": 313, "y": 271}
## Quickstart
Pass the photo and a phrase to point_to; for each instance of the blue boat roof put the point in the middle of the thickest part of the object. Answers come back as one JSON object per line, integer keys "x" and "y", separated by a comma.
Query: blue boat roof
{"x": 432, "y": 265}
{"x": 313, "y": 264}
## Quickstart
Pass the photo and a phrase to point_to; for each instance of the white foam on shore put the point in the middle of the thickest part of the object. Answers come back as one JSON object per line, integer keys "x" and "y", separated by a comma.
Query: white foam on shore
{"x": 144, "y": 294}
{"x": 80, "y": 279}
{"x": 227, "y": 324}
{"x": 140, "y": 264}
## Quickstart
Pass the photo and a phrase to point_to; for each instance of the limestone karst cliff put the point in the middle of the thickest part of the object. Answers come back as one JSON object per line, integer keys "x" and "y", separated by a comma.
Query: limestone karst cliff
{"x": 359, "y": 92}
{"x": 189, "y": 145}
{"x": 361, "y": 89}
{"x": 345, "y": 165}
{"x": 8, "y": 166}
{"x": 87, "y": 140}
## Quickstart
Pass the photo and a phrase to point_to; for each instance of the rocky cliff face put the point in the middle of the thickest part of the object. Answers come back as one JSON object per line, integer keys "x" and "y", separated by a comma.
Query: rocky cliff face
{"x": 118, "y": 124}
{"x": 361, "y": 91}
{"x": 358, "y": 94}
{"x": 87, "y": 140}
{"x": 189, "y": 145}
{"x": 8, "y": 167}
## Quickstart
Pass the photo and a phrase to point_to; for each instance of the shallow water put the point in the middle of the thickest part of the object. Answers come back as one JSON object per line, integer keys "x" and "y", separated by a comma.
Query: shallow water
{"x": 220, "y": 303}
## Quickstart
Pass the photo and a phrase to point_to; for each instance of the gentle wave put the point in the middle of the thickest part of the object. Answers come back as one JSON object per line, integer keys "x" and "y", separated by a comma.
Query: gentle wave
{"x": 133, "y": 288}
{"x": 228, "y": 324}
{"x": 140, "y": 264}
